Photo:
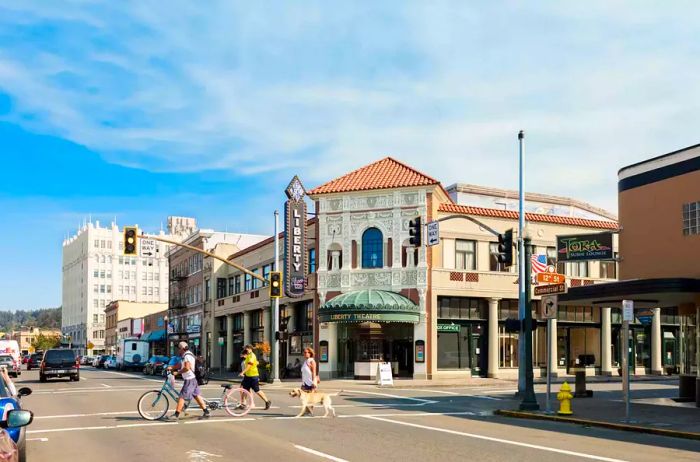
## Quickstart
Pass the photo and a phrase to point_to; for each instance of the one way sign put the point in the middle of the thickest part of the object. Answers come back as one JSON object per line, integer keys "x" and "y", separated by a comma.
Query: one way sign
{"x": 147, "y": 247}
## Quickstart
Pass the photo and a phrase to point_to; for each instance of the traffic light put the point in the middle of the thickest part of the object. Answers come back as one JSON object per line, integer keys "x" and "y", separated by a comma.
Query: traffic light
{"x": 505, "y": 248}
{"x": 130, "y": 237}
{"x": 275, "y": 284}
{"x": 414, "y": 230}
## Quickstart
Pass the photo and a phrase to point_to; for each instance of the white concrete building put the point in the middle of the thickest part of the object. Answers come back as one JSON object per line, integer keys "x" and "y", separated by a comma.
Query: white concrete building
{"x": 95, "y": 272}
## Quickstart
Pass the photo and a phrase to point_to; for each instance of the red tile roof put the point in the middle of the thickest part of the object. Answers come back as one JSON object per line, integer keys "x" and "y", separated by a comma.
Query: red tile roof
{"x": 384, "y": 174}
{"x": 535, "y": 217}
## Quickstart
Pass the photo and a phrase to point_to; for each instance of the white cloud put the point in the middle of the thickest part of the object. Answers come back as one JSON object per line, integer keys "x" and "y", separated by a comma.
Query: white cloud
{"x": 444, "y": 87}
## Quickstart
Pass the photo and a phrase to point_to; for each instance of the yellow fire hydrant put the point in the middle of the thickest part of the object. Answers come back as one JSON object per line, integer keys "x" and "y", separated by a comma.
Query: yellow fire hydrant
{"x": 564, "y": 396}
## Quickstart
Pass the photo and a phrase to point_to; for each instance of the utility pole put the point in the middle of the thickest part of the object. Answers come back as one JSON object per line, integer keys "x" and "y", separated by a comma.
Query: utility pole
{"x": 275, "y": 306}
{"x": 521, "y": 268}
{"x": 529, "y": 402}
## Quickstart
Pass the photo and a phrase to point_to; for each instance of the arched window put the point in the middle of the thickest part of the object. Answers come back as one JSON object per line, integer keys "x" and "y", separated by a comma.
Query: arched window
{"x": 372, "y": 249}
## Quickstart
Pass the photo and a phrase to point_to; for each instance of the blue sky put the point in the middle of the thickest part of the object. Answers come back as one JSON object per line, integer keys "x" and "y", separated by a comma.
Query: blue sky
{"x": 139, "y": 111}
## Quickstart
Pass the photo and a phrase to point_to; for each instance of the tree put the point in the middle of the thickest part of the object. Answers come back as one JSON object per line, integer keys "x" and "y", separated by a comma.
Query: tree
{"x": 46, "y": 342}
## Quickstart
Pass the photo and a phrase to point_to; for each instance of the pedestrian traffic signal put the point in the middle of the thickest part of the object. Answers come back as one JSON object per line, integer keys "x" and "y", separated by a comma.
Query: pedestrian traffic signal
{"x": 275, "y": 284}
{"x": 414, "y": 230}
{"x": 130, "y": 237}
{"x": 505, "y": 248}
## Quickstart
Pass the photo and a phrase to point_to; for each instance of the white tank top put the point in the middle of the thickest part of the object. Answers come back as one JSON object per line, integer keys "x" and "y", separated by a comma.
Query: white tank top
{"x": 306, "y": 375}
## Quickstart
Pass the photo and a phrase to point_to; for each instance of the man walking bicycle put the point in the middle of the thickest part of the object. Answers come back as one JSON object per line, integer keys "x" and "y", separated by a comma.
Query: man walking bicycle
{"x": 190, "y": 389}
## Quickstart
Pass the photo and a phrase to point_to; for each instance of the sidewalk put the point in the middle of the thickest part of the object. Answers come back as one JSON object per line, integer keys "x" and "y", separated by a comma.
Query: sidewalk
{"x": 668, "y": 418}
{"x": 398, "y": 382}
{"x": 608, "y": 379}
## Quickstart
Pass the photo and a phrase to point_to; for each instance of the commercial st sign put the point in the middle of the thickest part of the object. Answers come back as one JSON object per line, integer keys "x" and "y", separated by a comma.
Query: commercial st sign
{"x": 295, "y": 255}
{"x": 550, "y": 289}
{"x": 585, "y": 247}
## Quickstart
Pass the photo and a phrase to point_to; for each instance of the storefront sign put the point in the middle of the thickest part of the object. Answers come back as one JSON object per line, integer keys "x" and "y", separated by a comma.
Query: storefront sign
{"x": 194, "y": 329}
{"x": 295, "y": 239}
{"x": 365, "y": 317}
{"x": 323, "y": 351}
{"x": 221, "y": 341}
{"x": 585, "y": 247}
{"x": 448, "y": 327}
{"x": 645, "y": 316}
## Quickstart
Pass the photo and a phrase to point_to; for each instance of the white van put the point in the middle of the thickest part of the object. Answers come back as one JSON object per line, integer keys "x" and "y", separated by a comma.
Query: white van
{"x": 11, "y": 348}
{"x": 132, "y": 354}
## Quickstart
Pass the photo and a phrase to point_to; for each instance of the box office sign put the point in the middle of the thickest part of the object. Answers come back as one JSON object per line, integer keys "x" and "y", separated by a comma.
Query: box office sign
{"x": 295, "y": 239}
{"x": 585, "y": 247}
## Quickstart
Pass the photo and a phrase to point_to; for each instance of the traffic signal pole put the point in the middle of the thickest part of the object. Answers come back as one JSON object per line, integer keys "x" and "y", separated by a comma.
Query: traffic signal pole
{"x": 521, "y": 268}
{"x": 275, "y": 307}
{"x": 529, "y": 402}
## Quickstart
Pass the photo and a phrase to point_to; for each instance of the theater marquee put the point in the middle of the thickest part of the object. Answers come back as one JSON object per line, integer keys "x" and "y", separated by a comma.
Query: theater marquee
{"x": 295, "y": 253}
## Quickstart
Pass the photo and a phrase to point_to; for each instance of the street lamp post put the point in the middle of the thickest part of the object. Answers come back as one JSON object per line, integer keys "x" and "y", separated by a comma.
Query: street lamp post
{"x": 275, "y": 302}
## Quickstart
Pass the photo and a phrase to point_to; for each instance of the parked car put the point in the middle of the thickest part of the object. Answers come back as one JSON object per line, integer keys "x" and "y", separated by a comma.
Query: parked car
{"x": 110, "y": 362}
{"x": 25, "y": 358}
{"x": 59, "y": 362}
{"x": 86, "y": 360}
{"x": 14, "y": 418}
{"x": 34, "y": 361}
{"x": 12, "y": 366}
{"x": 100, "y": 361}
{"x": 154, "y": 366}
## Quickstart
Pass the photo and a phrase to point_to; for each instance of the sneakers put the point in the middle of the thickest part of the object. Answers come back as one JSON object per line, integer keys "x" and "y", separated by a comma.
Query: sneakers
{"x": 206, "y": 414}
{"x": 268, "y": 403}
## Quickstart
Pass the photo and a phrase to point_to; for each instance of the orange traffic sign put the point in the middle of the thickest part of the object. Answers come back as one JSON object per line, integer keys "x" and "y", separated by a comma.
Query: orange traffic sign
{"x": 551, "y": 278}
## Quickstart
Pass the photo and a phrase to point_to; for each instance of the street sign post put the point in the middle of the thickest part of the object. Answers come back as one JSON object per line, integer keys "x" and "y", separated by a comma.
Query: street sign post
{"x": 550, "y": 289}
{"x": 627, "y": 316}
{"x": 551, "y": 278}
{"x": 549, "y": 312}
{"x": 433, "y": 233}
{"x": 147, "y": 247}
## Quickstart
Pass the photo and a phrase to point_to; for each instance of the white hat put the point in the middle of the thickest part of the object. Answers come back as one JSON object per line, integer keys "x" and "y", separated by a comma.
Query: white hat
{"x": 182, "y": 345}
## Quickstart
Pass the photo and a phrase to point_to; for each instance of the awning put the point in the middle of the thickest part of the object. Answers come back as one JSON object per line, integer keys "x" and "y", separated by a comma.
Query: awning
{"x": 369, "y": 306}
{"x": 646, "y": 293}
{"x": 154, "y": 336}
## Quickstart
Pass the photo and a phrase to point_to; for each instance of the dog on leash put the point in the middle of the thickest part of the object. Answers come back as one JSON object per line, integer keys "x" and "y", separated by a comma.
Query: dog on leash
{"x": 309, "y": 399}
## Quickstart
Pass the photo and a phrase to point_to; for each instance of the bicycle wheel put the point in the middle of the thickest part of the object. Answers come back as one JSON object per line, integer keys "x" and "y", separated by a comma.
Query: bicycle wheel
{"x": 153, "y": 405}
{"x": 238, "y": 402}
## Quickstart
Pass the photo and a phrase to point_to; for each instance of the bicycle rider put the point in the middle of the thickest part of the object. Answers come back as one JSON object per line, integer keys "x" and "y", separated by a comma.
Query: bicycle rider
{"x": 190, "y": 389}
{"x": 251, "y": 376}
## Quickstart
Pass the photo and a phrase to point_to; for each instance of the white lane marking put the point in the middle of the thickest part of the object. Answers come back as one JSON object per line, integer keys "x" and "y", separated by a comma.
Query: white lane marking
{"x": 82, "y": 378}
{"x": 105, "y": 385}
{"x": 441, "y": 392}
{"x": 195, "y": 455}
{"x": 67, "y": 416}
{"x": 43, "y": 440}
{"x": 319, "y": 454}
{"x": 232, "y": 419}
{"x": 132, "y": 376}
{"x": 354, "y": 416}
{"x": 484, "y": 397}
{"x": 499, "y": 440}
{"x": 387, "y": 395}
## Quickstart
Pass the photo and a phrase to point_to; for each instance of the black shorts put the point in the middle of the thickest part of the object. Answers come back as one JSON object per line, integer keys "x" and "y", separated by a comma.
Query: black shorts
{"x": 307, "y": 388}
{"x": 251, "y": 383}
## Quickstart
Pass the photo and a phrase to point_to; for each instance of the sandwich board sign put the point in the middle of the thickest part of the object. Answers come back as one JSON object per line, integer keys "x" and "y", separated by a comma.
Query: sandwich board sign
{"x": 384, "y": 375}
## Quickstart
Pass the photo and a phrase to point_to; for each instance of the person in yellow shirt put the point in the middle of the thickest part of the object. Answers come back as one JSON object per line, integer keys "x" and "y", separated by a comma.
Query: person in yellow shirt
{"x": 251, "y": 376}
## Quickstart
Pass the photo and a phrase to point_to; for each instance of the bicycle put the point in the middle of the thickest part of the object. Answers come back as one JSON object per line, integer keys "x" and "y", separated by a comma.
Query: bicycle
{"x": 154, "y": 404}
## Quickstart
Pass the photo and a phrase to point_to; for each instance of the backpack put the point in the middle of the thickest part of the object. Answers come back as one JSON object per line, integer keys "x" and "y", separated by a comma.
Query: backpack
{"x": 199, "y": 372}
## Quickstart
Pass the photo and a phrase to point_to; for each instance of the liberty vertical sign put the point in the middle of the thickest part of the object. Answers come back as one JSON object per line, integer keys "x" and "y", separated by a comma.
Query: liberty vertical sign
{"x": 295, "y": 239}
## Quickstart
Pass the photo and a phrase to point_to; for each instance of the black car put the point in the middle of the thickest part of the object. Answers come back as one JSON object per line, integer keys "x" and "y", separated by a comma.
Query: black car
{"x": 34, "y": 361}
{"x": 154, "y": 366}
{"x": 59, "y": 362}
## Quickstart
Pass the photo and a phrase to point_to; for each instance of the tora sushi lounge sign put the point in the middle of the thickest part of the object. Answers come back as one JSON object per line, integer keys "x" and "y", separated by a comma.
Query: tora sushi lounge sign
{"x": 585, "y": 247}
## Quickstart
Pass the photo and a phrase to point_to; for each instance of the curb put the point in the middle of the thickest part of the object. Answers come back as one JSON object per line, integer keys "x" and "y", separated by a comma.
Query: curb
{"x": 599, "y": 423}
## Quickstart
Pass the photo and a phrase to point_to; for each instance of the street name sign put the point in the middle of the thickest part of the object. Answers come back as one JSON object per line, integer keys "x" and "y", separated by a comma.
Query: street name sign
{"x": 433, "y": 233}
{"x": 551, "y": 278}
{"x": 550, "y": 289}
{"x": 147, "y": 247}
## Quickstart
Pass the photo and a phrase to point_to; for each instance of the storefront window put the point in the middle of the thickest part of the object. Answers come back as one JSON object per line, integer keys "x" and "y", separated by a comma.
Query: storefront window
{"x": 508, "y": 348}
{"x": 465, "y": 254}
{"x": 453, "y": 349}
{"x": 462, "y": 308}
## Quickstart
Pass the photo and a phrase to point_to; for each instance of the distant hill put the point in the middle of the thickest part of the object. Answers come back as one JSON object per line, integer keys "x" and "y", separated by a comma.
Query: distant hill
{"x": 47, "y": 318}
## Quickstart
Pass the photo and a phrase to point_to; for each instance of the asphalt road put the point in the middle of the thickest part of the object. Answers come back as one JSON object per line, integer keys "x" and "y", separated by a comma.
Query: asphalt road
{"x": 96, "y": 420}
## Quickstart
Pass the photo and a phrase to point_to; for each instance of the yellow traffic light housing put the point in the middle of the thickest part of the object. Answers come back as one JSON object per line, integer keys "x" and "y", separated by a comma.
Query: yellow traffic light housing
{"x": 275, "y": 284}
{"x": 130, "y": 238}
